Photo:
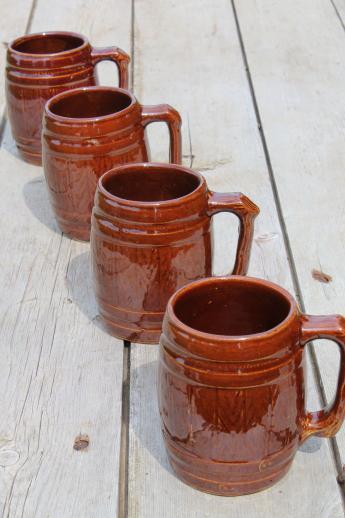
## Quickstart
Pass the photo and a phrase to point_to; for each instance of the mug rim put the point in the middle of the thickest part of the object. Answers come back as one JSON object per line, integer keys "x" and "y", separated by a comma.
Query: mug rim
{"x": 213, "y": 337}
{"x": 73, "y": 91}
{"x": 149, "y": 166}
{"x": 38, "y": 55}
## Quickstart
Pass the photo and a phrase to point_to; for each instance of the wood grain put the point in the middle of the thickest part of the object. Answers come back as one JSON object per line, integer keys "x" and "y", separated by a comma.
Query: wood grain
{"x": 305, "y": 71}
{"x": 207, "y": 83}
{"x": 60, "y": 373}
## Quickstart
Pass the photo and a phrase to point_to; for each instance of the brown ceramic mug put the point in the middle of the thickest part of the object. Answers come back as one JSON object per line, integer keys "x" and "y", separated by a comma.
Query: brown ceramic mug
{"x": 231, "y": 383}
{"x": 42, "y": 65}
{"x": 86, "y": 132}
{"x": 151, "y": 234}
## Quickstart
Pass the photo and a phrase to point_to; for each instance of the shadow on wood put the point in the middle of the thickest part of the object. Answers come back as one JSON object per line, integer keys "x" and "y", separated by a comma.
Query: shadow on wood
{"x": 80, "y": 289}
{"x": 37, "y": 200}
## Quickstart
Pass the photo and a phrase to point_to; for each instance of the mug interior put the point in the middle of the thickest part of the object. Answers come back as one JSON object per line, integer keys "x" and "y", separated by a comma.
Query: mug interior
{"x": 48, "y": 43}
{"x": 90, "y": 103}
{"x": 152, "y": 185}
{"x": 232, "y": 308}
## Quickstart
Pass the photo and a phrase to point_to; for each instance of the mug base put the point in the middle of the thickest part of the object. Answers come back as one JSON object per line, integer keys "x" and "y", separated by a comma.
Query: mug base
{"x": 29, "y": 156}
{"x": 144, "y": 336}
{"x": 75, "y": 232}
{"x": 231, "y": 488}
{"x": 77, "y": 236}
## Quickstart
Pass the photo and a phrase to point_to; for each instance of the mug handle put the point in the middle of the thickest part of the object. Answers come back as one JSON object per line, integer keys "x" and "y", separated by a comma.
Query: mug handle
{"x": 118, "y": 56}
{"x": 246, "y": 211}
{"x": 167, "y": 114}
{"x": 326, "y": 422}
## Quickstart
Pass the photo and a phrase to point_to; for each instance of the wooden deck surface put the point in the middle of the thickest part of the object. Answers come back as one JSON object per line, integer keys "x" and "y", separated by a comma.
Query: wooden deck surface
{"x": 260, "y": 87}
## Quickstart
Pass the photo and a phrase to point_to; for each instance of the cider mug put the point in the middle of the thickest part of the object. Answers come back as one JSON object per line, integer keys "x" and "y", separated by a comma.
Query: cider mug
{"x": 86, "y": 132}
{"x": 231, "y": 383}
{"x": 150, "y": 235}
{"x": 41, "y": 65}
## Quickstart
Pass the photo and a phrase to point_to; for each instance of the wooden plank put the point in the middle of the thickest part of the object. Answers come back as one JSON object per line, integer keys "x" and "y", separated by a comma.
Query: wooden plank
{"x": 305, "y": 71}
{"x": 13, "y": 23}
{"x": 60, "y": 374}
{"x": 208, "y": 85}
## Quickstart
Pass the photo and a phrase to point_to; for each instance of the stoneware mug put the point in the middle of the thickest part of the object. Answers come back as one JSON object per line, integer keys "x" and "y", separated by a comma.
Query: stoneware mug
{"x": 151, "y": 234}
{"x": 231, "y": 383}
{"x": 42, "y": 65}
{"x": 86, "y": 132}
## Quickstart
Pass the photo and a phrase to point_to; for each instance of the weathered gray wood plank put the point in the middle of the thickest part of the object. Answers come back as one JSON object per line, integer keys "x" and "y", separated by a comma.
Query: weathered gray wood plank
{"x": 203, "y": 76}
{"x": 60, "y": 374}
{"x": 298, "y": 71}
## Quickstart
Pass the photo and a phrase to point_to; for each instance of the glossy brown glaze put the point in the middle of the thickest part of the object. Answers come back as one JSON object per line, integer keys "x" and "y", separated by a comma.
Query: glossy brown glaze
{"x": 231, "y": 384}
{"x": 88, "y": 131}
{"x": 40, "y": 66}
{"x": 151, "y": 234}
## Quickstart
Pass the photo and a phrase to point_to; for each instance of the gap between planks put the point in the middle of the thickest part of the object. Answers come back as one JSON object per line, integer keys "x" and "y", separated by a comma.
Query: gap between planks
{"x": 124, "y": 438}
{"x": 338, "y": 14}
{"x": 295, "y": 280}
{"x": 126, "y": 372}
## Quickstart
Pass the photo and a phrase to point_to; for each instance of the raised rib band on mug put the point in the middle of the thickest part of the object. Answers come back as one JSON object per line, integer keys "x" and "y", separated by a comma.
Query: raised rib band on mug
{"x": 151, "y": 234}
{"x": 87, "y": 131}
{"x": 192, "y": 230}
{"x": 200, "y": 376}
{"x": 152, "y": 319}
{"x": 251, "y": 477}
{"x": 223, "y": 489}
{"x": 119, "y": 322}
{"x": 231, "y": 383}
{"x": 42, "y": 65}
{"x": 274, "y": 459}
{"x": 247, "y": 473}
